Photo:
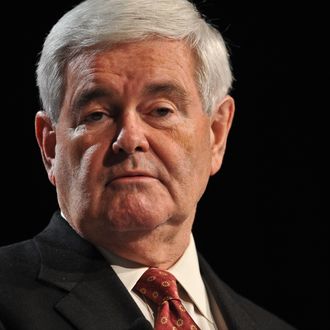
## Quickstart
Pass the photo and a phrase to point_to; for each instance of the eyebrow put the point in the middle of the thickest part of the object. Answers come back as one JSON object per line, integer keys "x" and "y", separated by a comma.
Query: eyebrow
{"x": 168, "y": 89}
{"x": 89, "y": 95}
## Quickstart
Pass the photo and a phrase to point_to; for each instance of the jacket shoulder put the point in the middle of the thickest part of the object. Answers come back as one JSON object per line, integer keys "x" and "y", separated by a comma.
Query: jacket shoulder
{"x": 18, "y": 259}
{"x": 238, "y": 311}
{"x": 262, "y": 317}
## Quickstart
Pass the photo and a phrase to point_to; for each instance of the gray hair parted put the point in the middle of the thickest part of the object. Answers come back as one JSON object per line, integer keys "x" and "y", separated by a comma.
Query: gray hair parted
{"x": 94, "y": 24}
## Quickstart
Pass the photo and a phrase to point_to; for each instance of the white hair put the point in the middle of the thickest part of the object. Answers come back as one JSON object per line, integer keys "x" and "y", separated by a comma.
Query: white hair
{"x": 94, "y": 24}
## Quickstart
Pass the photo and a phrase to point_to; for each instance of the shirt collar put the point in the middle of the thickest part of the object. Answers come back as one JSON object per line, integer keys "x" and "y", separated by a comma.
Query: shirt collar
{"x": 128, "y": 271}
{"x": 186, "y": 271}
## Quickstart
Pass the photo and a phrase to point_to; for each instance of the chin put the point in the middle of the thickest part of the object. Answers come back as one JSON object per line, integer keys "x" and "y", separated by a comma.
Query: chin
{"x": 136, "y": 222}
{"x": 137, "y": 212}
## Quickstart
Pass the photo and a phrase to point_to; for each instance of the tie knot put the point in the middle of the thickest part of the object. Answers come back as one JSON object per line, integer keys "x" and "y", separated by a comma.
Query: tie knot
{"x": 157, "y": 285}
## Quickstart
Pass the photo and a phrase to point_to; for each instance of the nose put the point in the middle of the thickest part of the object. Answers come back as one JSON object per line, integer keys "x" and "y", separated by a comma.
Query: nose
{"x": 131, "y": 137}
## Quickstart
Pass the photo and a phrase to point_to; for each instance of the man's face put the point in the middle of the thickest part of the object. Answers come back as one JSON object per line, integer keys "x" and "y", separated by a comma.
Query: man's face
{"x": 133, "y": 144}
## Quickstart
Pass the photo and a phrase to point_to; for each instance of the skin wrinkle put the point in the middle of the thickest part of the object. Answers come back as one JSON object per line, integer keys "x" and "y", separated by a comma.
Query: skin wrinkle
{"x": 137, "y": 218}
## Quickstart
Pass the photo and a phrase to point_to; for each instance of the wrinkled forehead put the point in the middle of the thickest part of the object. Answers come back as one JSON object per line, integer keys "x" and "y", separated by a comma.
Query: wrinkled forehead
{"x": 148, "y": 60}
{"x": 150, "y": 53}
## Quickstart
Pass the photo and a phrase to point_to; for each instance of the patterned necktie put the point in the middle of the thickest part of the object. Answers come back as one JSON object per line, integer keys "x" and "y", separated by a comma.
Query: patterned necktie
{"x": 160, "y": 287}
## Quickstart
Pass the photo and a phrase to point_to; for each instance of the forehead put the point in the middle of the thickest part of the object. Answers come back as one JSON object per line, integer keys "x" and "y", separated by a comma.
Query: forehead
{"x": 135, "y": 61}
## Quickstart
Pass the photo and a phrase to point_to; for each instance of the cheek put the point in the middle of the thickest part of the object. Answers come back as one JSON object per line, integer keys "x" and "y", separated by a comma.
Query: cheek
{"x": 78, "y": 158}
{"x": 198, "y": 162}
{"x": 188, "y": 157}
{"x": 195, "y": 146}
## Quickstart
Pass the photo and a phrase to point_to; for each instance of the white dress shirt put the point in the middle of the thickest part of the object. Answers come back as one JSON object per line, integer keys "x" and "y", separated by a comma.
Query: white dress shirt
{"x": 191, "y": 287}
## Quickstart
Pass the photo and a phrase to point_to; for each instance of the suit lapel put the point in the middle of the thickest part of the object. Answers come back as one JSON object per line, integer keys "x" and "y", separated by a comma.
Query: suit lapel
{"x": 94, "y": 297}
{"x": 96, "y": 303}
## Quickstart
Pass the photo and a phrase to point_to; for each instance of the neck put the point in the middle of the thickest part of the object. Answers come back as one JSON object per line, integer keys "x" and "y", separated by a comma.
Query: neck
{"x": 161, "y": 247}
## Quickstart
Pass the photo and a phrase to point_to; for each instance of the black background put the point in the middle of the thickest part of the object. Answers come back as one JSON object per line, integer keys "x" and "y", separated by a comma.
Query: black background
{"x": 259, "y": 223}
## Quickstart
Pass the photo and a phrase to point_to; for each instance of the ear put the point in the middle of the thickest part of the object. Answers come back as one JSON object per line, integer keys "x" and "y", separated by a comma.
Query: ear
{"x": 221, "y": 120}
{"x": 46, "y": 137}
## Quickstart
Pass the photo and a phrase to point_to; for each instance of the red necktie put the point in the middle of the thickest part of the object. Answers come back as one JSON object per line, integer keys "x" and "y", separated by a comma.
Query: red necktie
{"x": 160, "y": 287}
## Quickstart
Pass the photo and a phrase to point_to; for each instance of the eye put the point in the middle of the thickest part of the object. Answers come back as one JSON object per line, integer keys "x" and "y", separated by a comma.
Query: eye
{"x": 95, "y": 116}
{"x": 161, "y": 112}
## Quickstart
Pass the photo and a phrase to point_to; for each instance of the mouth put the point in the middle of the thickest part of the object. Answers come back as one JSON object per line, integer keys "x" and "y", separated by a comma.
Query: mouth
{"x": 132, "y": 177}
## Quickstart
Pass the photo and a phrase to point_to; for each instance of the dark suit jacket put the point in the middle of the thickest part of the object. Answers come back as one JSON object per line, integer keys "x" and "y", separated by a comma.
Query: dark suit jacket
{"x": 59, "y": 281}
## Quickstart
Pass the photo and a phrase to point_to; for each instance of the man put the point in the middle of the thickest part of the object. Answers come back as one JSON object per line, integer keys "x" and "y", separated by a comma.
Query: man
{"x": 135, "y": 121}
